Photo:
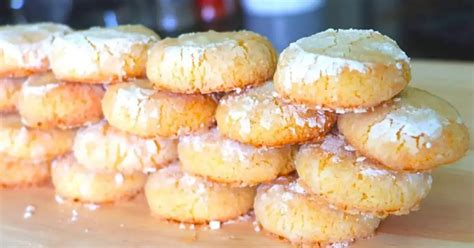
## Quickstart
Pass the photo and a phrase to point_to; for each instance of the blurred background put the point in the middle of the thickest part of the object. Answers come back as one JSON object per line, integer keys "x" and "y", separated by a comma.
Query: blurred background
{"x": 441, "y": 29}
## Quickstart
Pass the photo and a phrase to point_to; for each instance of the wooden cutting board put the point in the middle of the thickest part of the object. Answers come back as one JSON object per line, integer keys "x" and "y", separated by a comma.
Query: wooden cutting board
{"x": 446, "y": 218}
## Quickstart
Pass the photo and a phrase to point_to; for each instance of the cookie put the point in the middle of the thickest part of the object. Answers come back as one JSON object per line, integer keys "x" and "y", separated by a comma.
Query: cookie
{"x": 258, "y": 117}
{"x": 9, "y": 91}
{"x": 136, "y": 108}
{"x": 175, "y": 195}
{"x": 342, "y": 70}
{"x": 416, "y": 131}
{"x": 22, "y": 173}
{"x": 102, "y": 55}
{"x": 46, "y": 103}
{"x": 74, "y": 182}
{"x": 224, "y": 160}
{"x": 100, "y": 147}
{"x": 23, "y": 143}
{"x": 24, "y": 49}
{"x": 333, "y": 171}
{"x": 211, "y": 61}
{"x": 285, "y": 209}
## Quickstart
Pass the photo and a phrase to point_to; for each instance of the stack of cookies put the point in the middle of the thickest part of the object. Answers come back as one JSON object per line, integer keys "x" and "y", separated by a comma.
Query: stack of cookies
{"x": 215, "y": 177}
{"x": 27, "y": 146}
{"x": 107, "y": 164}
{"x": 378, "y": 160}
{"x": 338, "y": 111}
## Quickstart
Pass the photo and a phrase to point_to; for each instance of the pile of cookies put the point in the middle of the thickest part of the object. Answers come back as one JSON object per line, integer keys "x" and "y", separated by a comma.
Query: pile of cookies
{"x": 213, "y": 125}
{"x": 27, "y": 147}
{"x": 378, "y": 160}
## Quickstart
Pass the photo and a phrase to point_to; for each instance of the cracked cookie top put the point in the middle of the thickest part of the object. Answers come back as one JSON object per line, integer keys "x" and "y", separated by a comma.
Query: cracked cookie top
{"x": 102, "y": 55}
{"x": 342, "y": 70}
{"x": 24, "y": 49}
{"x": 414, "y": 131}
{"x": 211, "y": 61}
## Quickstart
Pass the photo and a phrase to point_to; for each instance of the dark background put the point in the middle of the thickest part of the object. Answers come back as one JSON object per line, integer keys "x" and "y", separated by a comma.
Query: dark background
{"x": 441, "y": 29}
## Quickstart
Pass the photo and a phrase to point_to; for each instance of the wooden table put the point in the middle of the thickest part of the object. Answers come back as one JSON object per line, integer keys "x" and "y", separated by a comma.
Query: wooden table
{"x": 446, "y": 218}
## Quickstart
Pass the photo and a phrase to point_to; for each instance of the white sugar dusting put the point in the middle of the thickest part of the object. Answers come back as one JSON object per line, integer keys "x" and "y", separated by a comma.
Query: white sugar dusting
{"x": 91, "y": 206}
{"x": 39, "y": 89}
{"x": 372, "y": 172}
{"x": 29, "y": 211}
{"x": 75, "y": 215}
{"x": 333, "y": 144}
{"x": 338, "y": 245}
{"x": 360, "y": 159}
{"x": 118, "y": 179}
{"x": 409, "y": 123}
{"x": 214, "y": 225}
{"x": 58, "y": 199}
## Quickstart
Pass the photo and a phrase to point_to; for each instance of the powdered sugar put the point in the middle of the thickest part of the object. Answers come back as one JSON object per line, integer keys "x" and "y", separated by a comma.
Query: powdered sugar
{"x": 373, "y": 172}
{"x": 408, "y": 123}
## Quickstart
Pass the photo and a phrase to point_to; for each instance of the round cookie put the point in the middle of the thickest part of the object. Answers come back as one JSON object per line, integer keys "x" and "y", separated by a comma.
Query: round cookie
{"x": 9, "y": 91}
{"x": 224, "y": 160}
{"x": 102, "y": 55}
{"x": 258, "y": 117}
{"x": 342, "y": 70}
{"x": 35, "y": 145}
{"x": 74, "y": 182}
{"x": 211, "y": 61}
{"x": 175, "y": 195}
{"x": 416, "y": 131}
{"x": 137, "y": 108}
{"x": 46, "y": 103}
{"x": 100, "y": 147}
{"x": 333, "y": 171}
{"x": 22, "y": 173}
{"x": 24, "y": 49}
{"x": 284, "y": 208}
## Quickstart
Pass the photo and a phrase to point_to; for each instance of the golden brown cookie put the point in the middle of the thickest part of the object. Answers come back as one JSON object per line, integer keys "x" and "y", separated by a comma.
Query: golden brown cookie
{"x": 175, "y": 195}
{"x": 138, "y": 109}
{"x": 74, "y": 182}
{"x": 217, "y": 158}
{"x": 343, "y": 69}
{"x": 9, "y": 92}
{"x": 46, "y": 103}
{"x": 333, "y": 171}
{"x": 258, "y": 117}
{"x": 22, "y": 173}
{"x": 23, "y": 143}
{"x": 24, "y": 49}
{"x": 211, "y": 61}
{"x": 414, "y": 132}
{"x": 100, "y": 147}
{"x": 102, "y": 55}
{"x": 285, "y": 209}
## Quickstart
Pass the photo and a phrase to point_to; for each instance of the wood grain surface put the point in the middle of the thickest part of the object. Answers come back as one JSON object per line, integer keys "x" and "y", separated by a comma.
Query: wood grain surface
{"x": 446, "y": 218}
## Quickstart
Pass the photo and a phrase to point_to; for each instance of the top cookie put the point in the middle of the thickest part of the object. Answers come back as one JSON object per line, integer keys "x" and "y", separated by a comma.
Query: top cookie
{"x": 102, "y": 55}
{"x": 342, "y": 69}
{"x": 24, "y": 49}
{"x": 416, "y": 131}
{"x": 211, "y": 62}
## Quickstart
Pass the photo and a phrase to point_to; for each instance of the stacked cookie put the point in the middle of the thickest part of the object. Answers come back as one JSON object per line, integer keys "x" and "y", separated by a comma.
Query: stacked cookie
{"x": 26, "y": 148}
{"x": 216, "y": 176}
{"x": 107, "y": 164}
{"x": 378, "y": 161}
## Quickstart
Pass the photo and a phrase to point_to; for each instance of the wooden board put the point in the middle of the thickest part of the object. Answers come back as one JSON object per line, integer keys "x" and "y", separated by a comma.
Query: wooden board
{"x": 446, "y": 218}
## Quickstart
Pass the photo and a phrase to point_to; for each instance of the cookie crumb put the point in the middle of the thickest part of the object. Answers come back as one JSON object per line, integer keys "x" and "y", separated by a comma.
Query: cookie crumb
{"x": 215, "y": 225}
{"x": 29, "y": 211}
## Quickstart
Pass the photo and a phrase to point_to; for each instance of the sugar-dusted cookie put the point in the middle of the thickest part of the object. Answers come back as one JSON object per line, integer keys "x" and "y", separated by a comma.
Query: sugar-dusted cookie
{"x": 342, "y": 70}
